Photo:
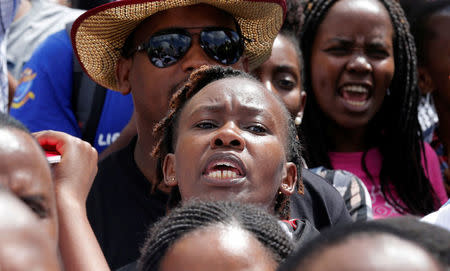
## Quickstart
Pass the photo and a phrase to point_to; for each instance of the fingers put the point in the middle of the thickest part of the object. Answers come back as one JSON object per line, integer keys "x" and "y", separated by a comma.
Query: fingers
{"x": 74, "y": 174}
{"x": 64, "y": 142}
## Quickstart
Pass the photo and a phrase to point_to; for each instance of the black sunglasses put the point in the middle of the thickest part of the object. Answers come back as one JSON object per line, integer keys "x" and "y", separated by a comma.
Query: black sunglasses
{"x": 168, "y": 46}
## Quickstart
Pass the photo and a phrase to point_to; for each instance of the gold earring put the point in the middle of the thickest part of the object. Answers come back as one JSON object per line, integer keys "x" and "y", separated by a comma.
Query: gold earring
{"x": 171, "y": 179}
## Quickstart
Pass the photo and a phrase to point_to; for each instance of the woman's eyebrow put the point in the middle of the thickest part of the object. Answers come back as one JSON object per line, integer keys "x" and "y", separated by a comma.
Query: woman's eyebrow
{"x": 378, "y": 44}
{"x": 254, "y": 110}
{"x": 250, "y": 110}
{"x": 212, "y": 108}
{"x": 340, "y": 40}
{"x": 285, "y": 68}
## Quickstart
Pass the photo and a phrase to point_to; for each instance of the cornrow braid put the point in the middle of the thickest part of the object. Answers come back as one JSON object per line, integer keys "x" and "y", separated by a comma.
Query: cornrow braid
{"x": 195, "y": 216}
{"x": 165, "y": 130}
{"x": 394, "y": 129}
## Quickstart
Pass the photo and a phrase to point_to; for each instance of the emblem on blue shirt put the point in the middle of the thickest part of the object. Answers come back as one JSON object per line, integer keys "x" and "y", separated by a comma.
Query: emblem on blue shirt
{"x": 23, "y": 93}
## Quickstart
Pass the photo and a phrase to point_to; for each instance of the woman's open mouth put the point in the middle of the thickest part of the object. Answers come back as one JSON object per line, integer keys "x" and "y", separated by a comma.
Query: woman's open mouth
{"x": 224, "y": 170}
{"x": 357, "y": 96}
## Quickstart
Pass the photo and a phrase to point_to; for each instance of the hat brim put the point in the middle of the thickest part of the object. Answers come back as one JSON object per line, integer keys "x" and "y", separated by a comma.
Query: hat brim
{"x": 100, "y": 33}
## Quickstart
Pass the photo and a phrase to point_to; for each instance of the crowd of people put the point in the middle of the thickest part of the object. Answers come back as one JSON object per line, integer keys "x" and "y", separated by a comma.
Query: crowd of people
{"x": 230, "y": 135}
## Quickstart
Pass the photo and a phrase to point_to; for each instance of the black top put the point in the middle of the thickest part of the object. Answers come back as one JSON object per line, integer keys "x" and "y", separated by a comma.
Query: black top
{"x": 120, "y": 207}
{"x": 321, "y": 203}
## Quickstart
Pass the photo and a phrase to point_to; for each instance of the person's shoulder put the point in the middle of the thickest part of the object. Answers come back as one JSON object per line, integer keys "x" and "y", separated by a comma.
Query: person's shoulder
{"x": 325, "y": 200}
{"x": 45, "y": 9}
{"x": 441, "y": 217}
{"x": 57, "y": 40}
{"x": 317, "y": 184}
{"x": 429, "y": 151}
{"x": 299, "y": 230}
{"x": 55, "y": 49}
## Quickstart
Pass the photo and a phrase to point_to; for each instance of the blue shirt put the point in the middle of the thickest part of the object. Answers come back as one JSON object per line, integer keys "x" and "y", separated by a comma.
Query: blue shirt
{"x": 43, "y": 99}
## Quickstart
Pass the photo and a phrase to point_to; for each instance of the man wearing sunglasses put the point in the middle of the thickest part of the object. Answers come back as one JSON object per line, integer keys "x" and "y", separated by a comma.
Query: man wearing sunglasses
{"x": 148, "y": 48}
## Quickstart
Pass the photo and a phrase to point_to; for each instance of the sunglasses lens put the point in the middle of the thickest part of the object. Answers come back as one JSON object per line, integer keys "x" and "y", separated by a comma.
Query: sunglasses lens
{"x": 224, "y": 46}
{"x": 166, "y": 49}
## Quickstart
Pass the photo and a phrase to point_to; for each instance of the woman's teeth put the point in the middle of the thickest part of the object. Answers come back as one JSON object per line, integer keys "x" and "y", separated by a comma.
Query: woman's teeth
{"x": 222, "y": 174}
{"x": 355, "y": 95}
{"x": 359, "y": 89}
{"x": 356, "y": 103}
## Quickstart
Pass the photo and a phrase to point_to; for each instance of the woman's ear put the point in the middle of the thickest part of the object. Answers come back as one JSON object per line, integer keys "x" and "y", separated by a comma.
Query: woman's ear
{"x": 289, "y": 181}
{"x": 169, "y": 170}
{"x": 426, "y": 84}
{"x": 302, "y": 100}
{"x": 123, "y": 74}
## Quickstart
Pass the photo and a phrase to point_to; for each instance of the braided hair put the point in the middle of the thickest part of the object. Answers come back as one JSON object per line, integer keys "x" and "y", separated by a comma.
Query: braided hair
{"x": 166, "y": 130}
{"x": 394, "y": 129}
{"x": 198, "y": 215}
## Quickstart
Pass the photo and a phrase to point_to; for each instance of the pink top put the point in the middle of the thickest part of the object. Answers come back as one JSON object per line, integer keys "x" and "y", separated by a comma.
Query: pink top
{"x": 351, "y": 161}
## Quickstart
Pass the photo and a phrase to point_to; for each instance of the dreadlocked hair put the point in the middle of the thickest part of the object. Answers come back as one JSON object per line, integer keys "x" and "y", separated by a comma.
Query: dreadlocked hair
{"x": 394, "y": 129}
{"x": 196, "y": 216}
{"x": 166, "y": 131}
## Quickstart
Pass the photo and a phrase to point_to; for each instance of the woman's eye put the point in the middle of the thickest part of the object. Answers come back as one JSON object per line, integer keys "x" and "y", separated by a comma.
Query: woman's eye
{"x": 285, "y": 81}
{"x": 257, "y": 129}
{"x": 205, "y": 125}
{"x": 377, "y": 53}
{"x": 35, "y": 203}
{"x": 338, "y": 50}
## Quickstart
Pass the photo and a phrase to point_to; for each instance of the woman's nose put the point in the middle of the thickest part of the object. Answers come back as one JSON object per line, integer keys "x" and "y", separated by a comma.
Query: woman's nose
{"x": 229, "y": 136}
{"x": 359, "y": 64}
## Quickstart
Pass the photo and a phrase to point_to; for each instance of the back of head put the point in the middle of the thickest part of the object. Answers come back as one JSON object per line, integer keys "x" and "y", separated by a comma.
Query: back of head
{"x": 434, "y": 239}
{"x": 362, "y": 245}
{"x": 199, "y": 215}
{"x": 6, "y": 121}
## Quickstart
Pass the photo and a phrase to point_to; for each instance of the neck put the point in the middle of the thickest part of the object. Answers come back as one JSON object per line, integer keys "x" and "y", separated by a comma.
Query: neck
{"x": 347, "y": 140}
{"x": 443, "y": 111}
{"x": 23, "y": 9}
{"x": 142, "y": 155}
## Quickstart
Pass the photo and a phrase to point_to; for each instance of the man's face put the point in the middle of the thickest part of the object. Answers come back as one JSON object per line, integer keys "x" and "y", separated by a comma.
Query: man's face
{"x": 151, "y": 86}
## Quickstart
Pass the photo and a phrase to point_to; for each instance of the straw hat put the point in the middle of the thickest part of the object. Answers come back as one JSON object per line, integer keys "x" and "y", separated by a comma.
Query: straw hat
{"x": 100, "y": 33}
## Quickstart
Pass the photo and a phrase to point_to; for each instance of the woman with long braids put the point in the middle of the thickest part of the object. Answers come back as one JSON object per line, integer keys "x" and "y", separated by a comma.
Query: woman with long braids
{"x": 281, "y": 74}
{"x": 361, "y": 113}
